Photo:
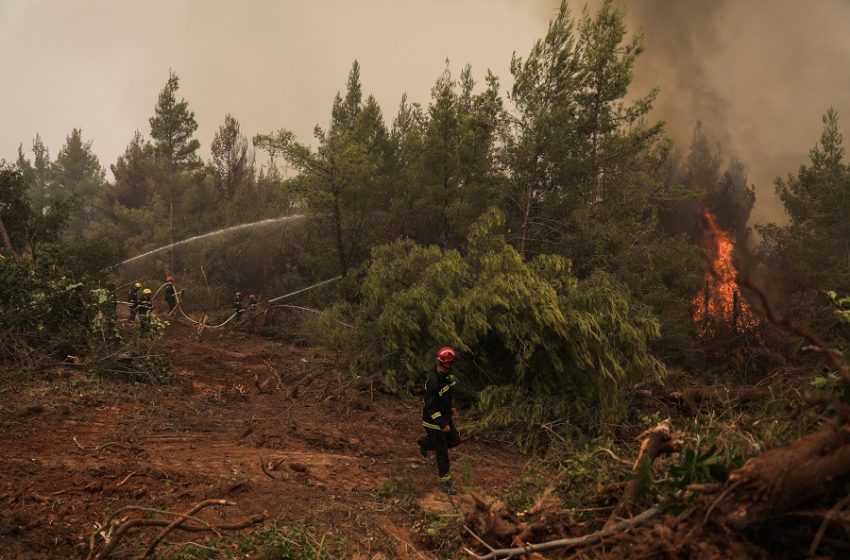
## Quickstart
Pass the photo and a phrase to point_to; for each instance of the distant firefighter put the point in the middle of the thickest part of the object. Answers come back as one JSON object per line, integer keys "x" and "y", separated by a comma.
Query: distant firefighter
{"x": 145, "y": 309}
{"x": 133, "y": 299}
{"x": 170, "y": 293}
{"x": 238, "y": 306}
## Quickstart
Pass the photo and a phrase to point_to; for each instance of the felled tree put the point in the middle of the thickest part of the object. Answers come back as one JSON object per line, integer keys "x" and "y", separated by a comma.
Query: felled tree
{"x": 530, "y": 332}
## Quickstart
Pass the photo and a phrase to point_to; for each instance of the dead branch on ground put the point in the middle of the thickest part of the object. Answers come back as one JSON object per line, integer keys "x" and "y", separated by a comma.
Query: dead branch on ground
{"x": 655, "y": 442}
{"x": 114, "y": 530}
{"x": 585, "y": 540}
{"x": 274, "y": 464}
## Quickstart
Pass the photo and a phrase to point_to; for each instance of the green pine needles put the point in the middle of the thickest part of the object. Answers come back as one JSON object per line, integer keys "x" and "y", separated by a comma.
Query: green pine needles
{"x": 537, "y": 345}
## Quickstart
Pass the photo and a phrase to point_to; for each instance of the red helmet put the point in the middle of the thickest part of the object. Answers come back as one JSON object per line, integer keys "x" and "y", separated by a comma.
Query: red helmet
{"x": 446, "y": 355}
{"x": 169, "y": 278}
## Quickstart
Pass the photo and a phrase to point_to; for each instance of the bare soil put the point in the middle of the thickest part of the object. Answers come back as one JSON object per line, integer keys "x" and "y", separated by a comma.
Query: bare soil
{"x": 74, "y": 449}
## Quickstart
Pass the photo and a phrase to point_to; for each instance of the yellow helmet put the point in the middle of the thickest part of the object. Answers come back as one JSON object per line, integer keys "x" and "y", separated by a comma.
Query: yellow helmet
{"x": 146, "y": 291}
{"x": 137, "y": 285}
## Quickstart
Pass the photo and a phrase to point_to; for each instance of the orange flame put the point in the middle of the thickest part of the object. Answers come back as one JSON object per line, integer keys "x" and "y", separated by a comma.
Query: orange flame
{"x": 720, "y": 304}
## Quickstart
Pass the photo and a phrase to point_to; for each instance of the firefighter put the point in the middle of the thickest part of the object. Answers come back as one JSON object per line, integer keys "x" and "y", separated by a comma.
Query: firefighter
{"x": 133, "y": 299}
{"x": 170, "y": 293}
{"x": 252, "y": 302}
{"x": 145, "y": 309}
{"x": 438, "y": 416}
{"x": 238, "y": 306}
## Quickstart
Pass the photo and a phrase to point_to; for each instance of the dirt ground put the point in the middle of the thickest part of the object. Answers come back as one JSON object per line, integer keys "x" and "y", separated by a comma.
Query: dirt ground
{"x": 74, "y": 449}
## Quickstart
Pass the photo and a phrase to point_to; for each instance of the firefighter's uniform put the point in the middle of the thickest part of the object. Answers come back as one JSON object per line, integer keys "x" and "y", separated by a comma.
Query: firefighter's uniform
{"x": 436, "y": 414}
{"x": 133, "y": 299}
{"x": 145, "y": 309}
{"x": 170, "y": 296}
{"x": 238, "y": 306}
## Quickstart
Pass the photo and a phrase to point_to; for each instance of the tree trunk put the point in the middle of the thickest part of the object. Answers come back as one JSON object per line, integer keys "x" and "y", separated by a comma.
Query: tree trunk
{"x": 340, "y": 248}
{"x": 526, "y": 217}
{"x": 7, "y": 242}
{"x": 785, "y": 478}
{"x": 171, "y": 210}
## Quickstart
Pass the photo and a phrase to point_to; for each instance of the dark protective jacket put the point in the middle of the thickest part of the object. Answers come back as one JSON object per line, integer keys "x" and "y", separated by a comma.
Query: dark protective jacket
{"x": 238, "y": 306}
{"x": 437, "y": 410}
{"x": 145, "y": 305}
{"x": 170, "y": 292}
{"x": 133, "y": 296}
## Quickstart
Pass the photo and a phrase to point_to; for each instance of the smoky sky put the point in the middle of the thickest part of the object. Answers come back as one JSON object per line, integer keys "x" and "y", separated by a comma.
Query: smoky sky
{"x": 758, "y": 73}
{"x": 99, "y": 64}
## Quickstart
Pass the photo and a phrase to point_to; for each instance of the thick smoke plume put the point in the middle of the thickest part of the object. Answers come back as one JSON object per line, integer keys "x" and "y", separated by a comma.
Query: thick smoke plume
{"x": 758, "y": 74}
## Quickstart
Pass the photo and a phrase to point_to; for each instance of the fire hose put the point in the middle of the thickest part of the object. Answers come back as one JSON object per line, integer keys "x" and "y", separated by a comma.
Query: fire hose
{"x": 265, "y": 311}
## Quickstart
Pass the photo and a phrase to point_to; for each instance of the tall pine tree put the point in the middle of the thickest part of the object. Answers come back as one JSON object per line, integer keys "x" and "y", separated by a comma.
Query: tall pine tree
{"x": 172, "y": 127}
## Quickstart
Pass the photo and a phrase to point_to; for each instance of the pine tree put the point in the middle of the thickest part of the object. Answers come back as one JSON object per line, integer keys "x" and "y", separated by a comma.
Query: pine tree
{"x": 231, "y": 162}
{"x": 37, "y": 175}
{"x": 78, "y": 174}
{"x": 172, "y": 128}
{"x": 126, "y": 208}
{"x": 811, "y": 254}
{"x": 344, "y": 180}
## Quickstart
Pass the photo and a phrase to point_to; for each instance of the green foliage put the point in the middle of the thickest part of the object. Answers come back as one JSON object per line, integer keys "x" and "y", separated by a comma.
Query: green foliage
{"x": 523, "y": 493}
{"x": 172, "y": 127}
{"x": 401, "y": 493}
{"x": 708, "y": 465}
{"x": 231, "y": 164}
{"x": 809, "y": 255}
{"x": 78, "y": 176}
{"x": 580, "y": 160}
{"x": 531, "y": 326}
{"x": 443, "y": 158}
{"x": 24, "y": 227}
{"x": 44, "y": 313}
{"x": 267, "y": 543}
{"x": 290, "y": 543}
{"x": 344, "y": 178}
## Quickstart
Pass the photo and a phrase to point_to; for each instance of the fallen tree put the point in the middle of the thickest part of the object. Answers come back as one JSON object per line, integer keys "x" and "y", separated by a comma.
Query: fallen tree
{"x": 785, "y": 478}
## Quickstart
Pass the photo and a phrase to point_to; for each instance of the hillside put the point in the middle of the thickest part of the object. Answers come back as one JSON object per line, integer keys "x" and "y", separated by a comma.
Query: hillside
{"x": 342, "y": 454}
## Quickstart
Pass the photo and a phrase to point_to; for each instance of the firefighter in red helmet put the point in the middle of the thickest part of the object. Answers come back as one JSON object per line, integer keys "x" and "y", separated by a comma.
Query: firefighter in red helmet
{"x": 438, "y": 416}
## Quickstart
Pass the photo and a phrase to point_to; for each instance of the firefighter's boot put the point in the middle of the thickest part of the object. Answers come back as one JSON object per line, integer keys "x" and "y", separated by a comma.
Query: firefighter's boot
{"x": 447, "y": 485}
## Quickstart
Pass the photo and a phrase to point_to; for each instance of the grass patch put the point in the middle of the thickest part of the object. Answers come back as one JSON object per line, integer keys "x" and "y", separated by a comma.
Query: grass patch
{"x": 400, "y": 493}
{"x": 268, "y": 543}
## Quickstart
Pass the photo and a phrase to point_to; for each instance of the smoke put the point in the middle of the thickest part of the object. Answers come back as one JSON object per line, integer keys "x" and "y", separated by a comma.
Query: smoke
{"x": 758, "y": 74}
{"x": 99, "y": 64}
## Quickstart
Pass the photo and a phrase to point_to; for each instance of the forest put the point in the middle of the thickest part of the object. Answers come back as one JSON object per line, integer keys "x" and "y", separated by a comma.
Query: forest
{"x": 642, "y": 373}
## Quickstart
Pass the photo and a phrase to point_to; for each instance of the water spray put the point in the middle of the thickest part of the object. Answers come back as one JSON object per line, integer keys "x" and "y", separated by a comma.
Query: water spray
{"x": 279, "y": 298}
{"x": 212, "y": 234}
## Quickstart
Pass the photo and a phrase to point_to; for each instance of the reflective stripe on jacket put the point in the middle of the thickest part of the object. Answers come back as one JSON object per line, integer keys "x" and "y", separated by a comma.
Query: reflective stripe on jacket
{"x": 437, "y": 409}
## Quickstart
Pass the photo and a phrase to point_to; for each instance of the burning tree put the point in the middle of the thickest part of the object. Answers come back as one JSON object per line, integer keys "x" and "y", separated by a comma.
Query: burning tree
{"x": 720, "y": 306}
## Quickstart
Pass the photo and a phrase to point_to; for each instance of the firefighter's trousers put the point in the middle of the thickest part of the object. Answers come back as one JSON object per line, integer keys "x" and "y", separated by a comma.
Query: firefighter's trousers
{"x": 439, "y": 442}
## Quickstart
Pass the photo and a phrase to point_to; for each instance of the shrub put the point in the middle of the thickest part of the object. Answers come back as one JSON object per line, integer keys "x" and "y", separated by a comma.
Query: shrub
{"x": 528, "y": 331}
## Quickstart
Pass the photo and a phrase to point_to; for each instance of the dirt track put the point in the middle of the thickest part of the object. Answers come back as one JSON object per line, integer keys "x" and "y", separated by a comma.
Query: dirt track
{"x": 330, "y": 441}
